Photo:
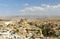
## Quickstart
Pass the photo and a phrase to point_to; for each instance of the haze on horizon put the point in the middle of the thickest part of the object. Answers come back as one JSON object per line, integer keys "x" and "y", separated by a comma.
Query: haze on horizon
{"x": 30, "y": 7}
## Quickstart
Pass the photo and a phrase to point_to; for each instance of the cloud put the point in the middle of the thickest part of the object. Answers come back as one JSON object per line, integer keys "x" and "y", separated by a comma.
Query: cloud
{"x": 26, "y": 4}
{"x": 44, "y": 9}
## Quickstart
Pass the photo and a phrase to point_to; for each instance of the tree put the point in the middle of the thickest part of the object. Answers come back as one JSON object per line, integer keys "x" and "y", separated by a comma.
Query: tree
{"x": 17, "y": 30}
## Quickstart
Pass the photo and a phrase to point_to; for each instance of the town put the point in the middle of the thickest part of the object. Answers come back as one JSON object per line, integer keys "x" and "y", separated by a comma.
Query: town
{"x": 22, "y": 28}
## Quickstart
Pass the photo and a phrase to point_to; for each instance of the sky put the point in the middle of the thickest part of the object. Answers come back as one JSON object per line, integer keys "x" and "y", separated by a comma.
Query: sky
{"x": 29, "y": 7}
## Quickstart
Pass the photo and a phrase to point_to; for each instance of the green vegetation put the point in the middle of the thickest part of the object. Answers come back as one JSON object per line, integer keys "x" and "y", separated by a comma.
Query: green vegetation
{"x": 17, "y": 30}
